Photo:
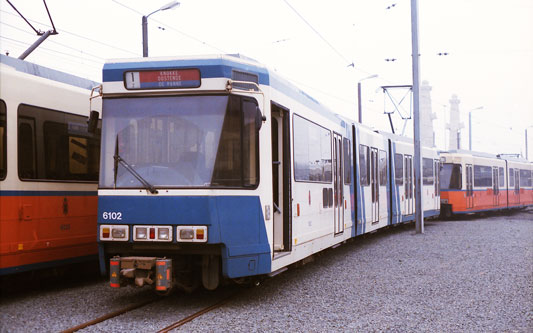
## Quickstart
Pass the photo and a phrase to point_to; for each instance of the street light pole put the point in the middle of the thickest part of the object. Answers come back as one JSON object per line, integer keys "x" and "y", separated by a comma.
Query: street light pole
{"x": 145, "y": 36}
{"x": 359, "y": 108}
{"x": 170, "y": 5}
{"x": 470, "y": 127}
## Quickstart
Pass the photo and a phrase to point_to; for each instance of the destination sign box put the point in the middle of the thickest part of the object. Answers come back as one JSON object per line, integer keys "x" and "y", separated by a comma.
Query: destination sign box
{"x": 163, "y": 79}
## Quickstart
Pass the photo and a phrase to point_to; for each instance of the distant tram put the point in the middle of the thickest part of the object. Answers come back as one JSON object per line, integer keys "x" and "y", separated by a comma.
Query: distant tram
{"x": 48, "y": 168}
{"x": 215, "y": 168}
{"x": 477, "y": 182}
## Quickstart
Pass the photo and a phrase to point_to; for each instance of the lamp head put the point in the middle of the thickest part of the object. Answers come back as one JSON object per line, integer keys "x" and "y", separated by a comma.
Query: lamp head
{"x": 170, "y": 5}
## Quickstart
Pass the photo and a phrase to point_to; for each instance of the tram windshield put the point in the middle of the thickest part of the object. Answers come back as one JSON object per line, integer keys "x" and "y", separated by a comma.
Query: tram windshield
{"x": 450, "y": 176}
{"x": 180, "y": 141}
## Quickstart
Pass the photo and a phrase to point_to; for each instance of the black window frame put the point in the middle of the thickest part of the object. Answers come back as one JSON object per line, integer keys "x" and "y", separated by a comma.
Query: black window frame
{"x": 41, "y": 156}
{"x": 457, "y": 171}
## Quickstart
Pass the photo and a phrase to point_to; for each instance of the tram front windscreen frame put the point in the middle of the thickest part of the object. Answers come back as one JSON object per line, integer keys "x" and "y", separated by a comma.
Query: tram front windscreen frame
{"x": 200, "y": 141}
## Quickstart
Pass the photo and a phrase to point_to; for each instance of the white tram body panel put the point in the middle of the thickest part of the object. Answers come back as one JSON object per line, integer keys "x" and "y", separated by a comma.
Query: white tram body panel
{"x": 374, "y": 187}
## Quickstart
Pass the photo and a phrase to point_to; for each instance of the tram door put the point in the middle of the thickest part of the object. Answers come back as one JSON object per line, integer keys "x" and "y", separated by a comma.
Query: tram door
{"x": 495, "y": 186}
{"x": 338, "y": 187}
{"x": 517, "y": 184}
{"x": 374, "y": 184}
{"x": 437, "y": 184}
{"x": 281, "y": 179}
{"x": 409, "y": 201}
{"x": 469, "y": 187}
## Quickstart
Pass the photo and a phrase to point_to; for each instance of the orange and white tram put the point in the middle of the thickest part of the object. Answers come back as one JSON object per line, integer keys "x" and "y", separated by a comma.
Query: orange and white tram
{"x": 48, "y": 168}
{"x": 475, "y": 182}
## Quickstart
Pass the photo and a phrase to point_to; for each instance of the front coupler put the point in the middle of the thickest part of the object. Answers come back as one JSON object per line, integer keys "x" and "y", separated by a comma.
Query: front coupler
{"x": 141, "y": 271}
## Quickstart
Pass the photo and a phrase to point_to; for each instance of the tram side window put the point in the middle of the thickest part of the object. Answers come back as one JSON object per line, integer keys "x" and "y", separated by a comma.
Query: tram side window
{"x": 26, "y": 148}
{"x": 382, "y": 168}
{"x": 511, "y": 177}
{"x": 3, "y": 141}
{"x": 501, "y": 174}
{"x": 312, "y": 152}
{"x": 347, "y": 161}
{"x": 55, "y": 145}
{"x": 427, "y": 171}
{"x": 398, "y": 169}
{"x": 364, "y": 165}
{"x": 525, "y": 178}
{"x": 450, "y": 176}
{"x": 249, "y": 144}
{"x": 482, "y": 176}
{"x": 229, "y": 157}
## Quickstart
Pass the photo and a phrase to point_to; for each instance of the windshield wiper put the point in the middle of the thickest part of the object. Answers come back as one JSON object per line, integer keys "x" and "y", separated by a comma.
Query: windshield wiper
{"x": 128, "y": 167}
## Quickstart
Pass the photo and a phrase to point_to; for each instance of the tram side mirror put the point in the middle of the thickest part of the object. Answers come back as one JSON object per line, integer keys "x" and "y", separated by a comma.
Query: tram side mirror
{"x": 259, "y": 118}
{"x": 92, "y": 123}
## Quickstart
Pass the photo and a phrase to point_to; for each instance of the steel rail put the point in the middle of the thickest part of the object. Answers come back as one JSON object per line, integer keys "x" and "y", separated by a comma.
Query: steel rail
{"x": 110, "y": 315}
{"x": 198, "y": 314}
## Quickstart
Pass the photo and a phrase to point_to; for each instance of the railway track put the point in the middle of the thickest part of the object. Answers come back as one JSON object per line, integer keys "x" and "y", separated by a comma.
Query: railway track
{"x": 198, "y": 314}
{"x": 168, "y": 328}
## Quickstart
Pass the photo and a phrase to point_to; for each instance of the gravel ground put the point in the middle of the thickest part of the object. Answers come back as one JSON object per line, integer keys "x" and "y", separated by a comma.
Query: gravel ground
{"x": 470, "y": 275}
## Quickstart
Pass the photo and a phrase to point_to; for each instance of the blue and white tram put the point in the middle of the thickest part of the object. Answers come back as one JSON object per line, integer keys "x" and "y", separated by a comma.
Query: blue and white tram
{"x": 402, "y": 179}
{"x": 216, "y": 168}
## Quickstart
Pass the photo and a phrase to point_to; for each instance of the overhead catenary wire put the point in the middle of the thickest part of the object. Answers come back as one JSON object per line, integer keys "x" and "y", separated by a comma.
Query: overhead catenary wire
{"x": 318, "y": 33}
{"x": 80, "y": 36}
{"x": 51, "y": 50}
{"x": 57, "y": 43}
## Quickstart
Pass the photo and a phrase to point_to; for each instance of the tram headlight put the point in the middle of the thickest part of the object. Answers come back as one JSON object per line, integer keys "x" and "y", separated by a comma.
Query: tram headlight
{"x": 152, "y": 233}
{"x": 140, "y": 233}
{"x": 118, "y": 232}
{"x": 186, "y": 234}
{"x": 163, "y": 234}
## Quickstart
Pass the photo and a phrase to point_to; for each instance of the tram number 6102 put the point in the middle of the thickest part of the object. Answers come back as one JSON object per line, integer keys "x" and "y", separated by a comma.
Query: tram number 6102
{"x": 112, "y": 215}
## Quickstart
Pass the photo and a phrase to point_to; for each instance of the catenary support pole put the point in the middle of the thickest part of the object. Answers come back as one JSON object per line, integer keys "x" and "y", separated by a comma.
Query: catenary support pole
{"x": 419, "y": 213}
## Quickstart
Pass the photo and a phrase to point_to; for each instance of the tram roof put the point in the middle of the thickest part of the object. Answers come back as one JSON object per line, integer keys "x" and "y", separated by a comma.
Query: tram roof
{"x": 47, "y": 73}
{"x": 508, "y": 157}
{"x": 217, "y": 66}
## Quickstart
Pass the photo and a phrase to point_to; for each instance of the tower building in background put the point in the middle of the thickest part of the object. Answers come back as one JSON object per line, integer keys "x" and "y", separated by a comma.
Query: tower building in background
{"x": 455, "y": 125}
{"x": 427, "y": 132}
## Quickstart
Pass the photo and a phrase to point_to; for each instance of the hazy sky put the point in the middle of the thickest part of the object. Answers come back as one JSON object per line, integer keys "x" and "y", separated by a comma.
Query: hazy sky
{"x": 490, "y": 46}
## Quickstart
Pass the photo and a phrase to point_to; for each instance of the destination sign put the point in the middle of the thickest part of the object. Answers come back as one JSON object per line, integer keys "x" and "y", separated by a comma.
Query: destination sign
{"x": 163, "y": 79}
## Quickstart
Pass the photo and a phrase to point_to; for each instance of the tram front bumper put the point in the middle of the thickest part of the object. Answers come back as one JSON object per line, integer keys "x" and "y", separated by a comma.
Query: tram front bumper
{"x": 142, "y": 271}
